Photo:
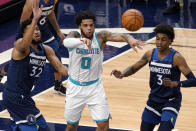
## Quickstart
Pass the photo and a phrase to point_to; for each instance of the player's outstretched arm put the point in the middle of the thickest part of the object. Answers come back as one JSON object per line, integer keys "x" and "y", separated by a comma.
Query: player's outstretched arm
{"x": 73, "y": 40}
{"x": 27, "y": 11}
{"x": 133, "y": 68}
{"x": 21, "y": 47}
{"x": 53, "y": 59}
{"x": 105, "y": 36}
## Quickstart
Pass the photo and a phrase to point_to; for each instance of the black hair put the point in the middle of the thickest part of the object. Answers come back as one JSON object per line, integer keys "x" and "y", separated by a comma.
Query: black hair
{"x": 165, "y": 29}
{"x": 84, "y": 15}
{"x": 24, "y": 24}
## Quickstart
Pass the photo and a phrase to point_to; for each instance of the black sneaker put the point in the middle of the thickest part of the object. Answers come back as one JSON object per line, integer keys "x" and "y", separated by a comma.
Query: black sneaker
{"x": 59, "y": 88}
{"x": 173, "y": 9}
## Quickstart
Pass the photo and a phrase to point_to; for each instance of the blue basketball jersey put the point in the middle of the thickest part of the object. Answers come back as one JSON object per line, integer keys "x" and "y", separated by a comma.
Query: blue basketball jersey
{"x": 23, "y": 73}
{"x": 160, "y": 69}
{"x": 47, "y": 35}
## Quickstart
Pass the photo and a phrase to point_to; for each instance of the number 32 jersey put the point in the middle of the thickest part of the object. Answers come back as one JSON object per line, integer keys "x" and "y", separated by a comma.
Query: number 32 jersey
{"x": 160, "y": 69}
{"x": 23, "y": 73}
{"x": 85, "y": 65}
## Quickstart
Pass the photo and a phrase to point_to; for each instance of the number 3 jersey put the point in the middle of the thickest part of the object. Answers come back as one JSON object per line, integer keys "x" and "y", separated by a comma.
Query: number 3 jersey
{"x": 85, "y": 66}
{"x": 23, "y": 73}
{"x": 160, "y": 69}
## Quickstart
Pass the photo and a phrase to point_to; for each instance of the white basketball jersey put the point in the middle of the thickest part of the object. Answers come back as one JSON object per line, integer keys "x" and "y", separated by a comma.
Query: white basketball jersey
{"x": 85, "y": 65}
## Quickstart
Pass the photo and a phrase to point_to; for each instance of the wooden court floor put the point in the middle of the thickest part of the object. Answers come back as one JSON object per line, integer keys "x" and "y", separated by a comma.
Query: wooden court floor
{"x": 127, "y": 97}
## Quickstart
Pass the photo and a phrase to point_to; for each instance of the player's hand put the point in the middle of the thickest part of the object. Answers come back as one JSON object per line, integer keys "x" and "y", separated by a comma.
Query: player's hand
{"x": 37, "y": 11}
{"x": 168, "y": 83}
{"x": 118, "y": 74}
{"x": 62, "y": 37}
{"x": 87, "y": 42}
{"x": 136, "y": 44}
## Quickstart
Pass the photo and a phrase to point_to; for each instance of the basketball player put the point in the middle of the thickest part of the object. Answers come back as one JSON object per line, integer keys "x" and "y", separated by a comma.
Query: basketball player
{"x": 27, "y": 63}
{"x": 48, "y": 16}
{"x": 165, "y": 63}
{"x": 84, "y": 83}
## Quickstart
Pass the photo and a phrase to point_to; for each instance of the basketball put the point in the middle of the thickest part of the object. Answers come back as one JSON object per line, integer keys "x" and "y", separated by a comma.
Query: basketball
{"x": 132, "y": 20}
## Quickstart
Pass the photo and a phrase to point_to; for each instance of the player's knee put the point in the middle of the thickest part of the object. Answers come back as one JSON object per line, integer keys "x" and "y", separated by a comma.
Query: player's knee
{"x": 165, "y": 126}
{"x": 145, "y": 126}
{"x": 103, "y": 126}
{"x": 71, "y": 127}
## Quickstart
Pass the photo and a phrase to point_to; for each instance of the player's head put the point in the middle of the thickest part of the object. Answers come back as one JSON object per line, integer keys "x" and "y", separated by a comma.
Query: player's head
{"x": 36, "y": 34}
{"x": 164, "y": 35}
{"x": 85, "y": 21}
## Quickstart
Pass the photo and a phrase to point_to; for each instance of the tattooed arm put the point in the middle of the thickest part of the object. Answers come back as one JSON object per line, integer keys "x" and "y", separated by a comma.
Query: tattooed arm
{"x": 105, "y": 36}
{"x": 133, "y": 68}
{"x": 73, "y": 34}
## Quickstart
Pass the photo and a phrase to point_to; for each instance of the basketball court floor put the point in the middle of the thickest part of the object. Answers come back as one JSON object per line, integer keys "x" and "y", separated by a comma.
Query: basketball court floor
{"x": 127, "y": 97}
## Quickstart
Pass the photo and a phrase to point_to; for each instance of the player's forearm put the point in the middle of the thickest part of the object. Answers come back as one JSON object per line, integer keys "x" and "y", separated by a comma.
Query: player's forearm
{"x": 54, "y": 23}
{"x": 72, "y": 42}
{"x": 190, "y": 82}
{"x": 187, "y": 83}
{"x": 63, "y": 70}
{"x": 57, "y": 64}
{"x": 27, "y": 11}
{"x": 27, "y": 38}
{"x": 118, "y": 37}
{"x": 128, "y": 71}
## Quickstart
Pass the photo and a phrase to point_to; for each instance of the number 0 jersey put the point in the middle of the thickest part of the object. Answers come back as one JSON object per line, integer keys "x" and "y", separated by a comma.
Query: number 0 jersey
{"x": 23, "y": 73}
{"x": 85, "y": 67}
{"x": 160, "y": 69}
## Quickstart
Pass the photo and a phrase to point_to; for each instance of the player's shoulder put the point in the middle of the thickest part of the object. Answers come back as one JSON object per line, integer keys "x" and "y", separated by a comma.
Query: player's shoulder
{"x": 178, "y": 55}
{"x": 103, "y": 32}
{"x": 74, "y": 34}
{"x": 149, "y": 52}
{"x": 178, "y": 59}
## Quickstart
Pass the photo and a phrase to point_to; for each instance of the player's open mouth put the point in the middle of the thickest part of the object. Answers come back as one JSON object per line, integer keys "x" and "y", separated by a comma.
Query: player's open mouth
{"x": 37, "y": 37}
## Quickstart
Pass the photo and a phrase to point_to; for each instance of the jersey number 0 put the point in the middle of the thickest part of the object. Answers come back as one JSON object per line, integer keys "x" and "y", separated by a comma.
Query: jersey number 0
{"x": 86, "y": 63}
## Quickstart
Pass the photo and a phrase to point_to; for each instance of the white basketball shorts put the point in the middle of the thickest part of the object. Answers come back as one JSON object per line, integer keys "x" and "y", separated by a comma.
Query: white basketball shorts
{"x": 78, "y": 96}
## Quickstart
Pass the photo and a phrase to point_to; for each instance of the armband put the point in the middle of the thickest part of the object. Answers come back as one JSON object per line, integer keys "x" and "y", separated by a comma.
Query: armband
{"x": 190, "y": 82}
{"x": 190, "y": 75}
{"x": 72, "y": 42}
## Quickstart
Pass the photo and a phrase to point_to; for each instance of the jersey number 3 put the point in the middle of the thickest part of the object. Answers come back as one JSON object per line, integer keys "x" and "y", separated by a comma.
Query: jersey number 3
{"x": 86, "y": 63}
{"x": 160, "y": 81}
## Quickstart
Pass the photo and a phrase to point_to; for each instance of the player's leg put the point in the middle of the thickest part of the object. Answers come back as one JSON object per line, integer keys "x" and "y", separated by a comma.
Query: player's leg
{"x": 41, "y": 124}
{"x": 149, "y": 120}
{"x": 98, "y": 106}
{"x": 145, "y": 126}
{"x": 71, "y": 127}
{"x": 103, "y": 125}
{"x": 74, "y": 106}
{"x": 168, "y": 120}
